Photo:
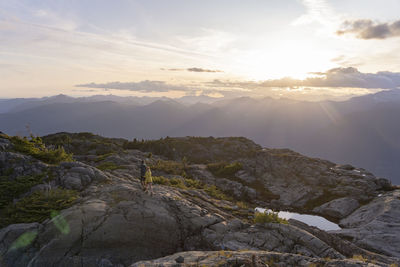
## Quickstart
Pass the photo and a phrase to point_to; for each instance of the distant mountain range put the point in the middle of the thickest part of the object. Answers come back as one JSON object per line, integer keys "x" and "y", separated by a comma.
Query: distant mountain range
{"x": 363, "y": 131}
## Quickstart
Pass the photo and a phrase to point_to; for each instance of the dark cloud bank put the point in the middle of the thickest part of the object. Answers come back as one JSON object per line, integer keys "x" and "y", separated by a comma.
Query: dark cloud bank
{"x": 368, "y": 29}
{"x": 338, "y": 77}
{"x": 194, "y": 70}
{"x": 143, "y": 86}
{"x": 334, "y": 78}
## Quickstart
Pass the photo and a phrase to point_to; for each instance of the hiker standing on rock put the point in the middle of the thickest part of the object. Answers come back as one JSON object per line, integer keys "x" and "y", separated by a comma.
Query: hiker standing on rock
{"x": 149, "y": 181}
{"x": 143, "y": 169}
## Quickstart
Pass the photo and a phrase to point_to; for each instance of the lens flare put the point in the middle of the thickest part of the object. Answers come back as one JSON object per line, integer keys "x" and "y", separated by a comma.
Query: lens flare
{"x": 24, "y": 240}
{"x": 60, "y": 222}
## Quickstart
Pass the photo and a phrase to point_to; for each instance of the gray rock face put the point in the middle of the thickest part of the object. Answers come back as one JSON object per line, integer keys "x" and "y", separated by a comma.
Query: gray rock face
{"x": 338, "y": 208}
{"x": 118, "y": 224}
{"x": 13, "y": 245}
{"x": 284, "y": 179}
{"x": 376, "y": 226}
{"x": 115, "y": 223}
{"x": 13, "y": 165}
{"x": 271, "y": 237}
{"x": 248, "y": 259}
{"x": 306, "y": 183}
{"x": 5, "y": 144}
{"x": 77, "y": 175}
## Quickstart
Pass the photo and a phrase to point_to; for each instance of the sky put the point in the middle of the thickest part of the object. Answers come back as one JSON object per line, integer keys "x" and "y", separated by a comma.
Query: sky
{"x": 188, "y": 47}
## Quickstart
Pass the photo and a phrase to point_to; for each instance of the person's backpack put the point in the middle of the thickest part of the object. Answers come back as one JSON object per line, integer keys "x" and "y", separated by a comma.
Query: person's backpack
{"x": 142, "y": 170}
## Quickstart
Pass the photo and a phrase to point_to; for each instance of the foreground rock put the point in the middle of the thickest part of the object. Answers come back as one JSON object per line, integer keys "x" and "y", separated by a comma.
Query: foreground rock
{"x": 247, "y": 259}
{"x": 376, "y": 226}
{"x": 117, "y": 224}
{"x": 114, "y": 223}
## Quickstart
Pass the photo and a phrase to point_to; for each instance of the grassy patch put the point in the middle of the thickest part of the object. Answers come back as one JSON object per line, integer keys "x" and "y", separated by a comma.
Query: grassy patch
{"x": 359, "y": 258}
{"x": 243, "y": 205}
{"x": 109, "y": 166}
{"x": 215, "y": 192}
{"x": 188, "y": 183}
{"x": 160, "y": 180}
{"x": 38, "y": 206}
{"x": 262, "y": 190}
{"x": 223, "y": 169}
{"x": 178, "y": 182}
{"x": 197, "y": 149}
{"x": 268, "y": 217}
{"x": 36, "y": 148}
{"x": 10, "y": 189}
{"x": 103, "y": 157}
{"x": 169, "y": 167}
{"x": 191, "y": 183}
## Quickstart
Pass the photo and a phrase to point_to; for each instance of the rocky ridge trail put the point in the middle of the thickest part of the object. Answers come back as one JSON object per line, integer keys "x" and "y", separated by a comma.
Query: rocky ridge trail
{"x": 114, "y": 223}
{"x": 247, "y": 259}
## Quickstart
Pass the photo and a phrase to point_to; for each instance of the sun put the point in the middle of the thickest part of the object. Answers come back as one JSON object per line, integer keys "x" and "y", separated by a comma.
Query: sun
{"x": 292, "y": 59}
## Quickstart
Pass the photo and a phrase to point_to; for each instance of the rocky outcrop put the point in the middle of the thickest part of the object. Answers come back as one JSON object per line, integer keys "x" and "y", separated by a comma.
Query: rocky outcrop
{"x": 77, "y": 175}
{"x": 115, "y": 223}
{"x": 13, "y": 165}
{"x": 247, "y": 259}
{"x": 306, "y": 183}
{"x": 338, "y": 208}
{"x": 4, "y": 144}
{"x": 270, "y": 237}
{"x": 375, "y": 226}
{"x": 120, "y": 224}
{"x": 69, "y": 175}
{"x": 288, "y": 180}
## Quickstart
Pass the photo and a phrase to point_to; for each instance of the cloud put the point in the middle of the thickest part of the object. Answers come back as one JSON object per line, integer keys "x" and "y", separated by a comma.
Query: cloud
{"x": 202, "y": 70}
{"x": 316, "y": 11}
{"x": 368, "y": 29}
{"x": 334, "y": 78}
{"x": 143, "y": 86}
{"x": 194, "y": 69}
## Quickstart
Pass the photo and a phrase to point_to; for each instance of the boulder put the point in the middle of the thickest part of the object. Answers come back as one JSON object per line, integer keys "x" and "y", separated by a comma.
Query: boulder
{"x": 375, "y": 226}
{"x": 5, "y": 144}
{"x": 338, "y": 208}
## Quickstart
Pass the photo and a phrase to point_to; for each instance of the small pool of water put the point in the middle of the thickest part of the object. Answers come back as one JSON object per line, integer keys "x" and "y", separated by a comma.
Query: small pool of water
{"x": 312, "y": 220}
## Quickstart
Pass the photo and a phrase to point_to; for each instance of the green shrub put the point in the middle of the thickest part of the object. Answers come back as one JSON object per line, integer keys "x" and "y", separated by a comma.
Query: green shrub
{"x": 10, "y": 189}
{"x": 223, "y": 169}
{"x": 243, "y": 205}
{"x": 103, "y": 157}
{"x": 38, "y": 206}
{"x": 109, "y": 166}
{"x": 169, "y": 167}
{"x": 177, "y": 182}
{"x": 196, "y": 184}
{"x": 268, "y": 217}
{"x": 214, "y": 191}
{"x": 160, "y": 180}
{"x": 36, "y": 148}
{"x": 261, "y": 190}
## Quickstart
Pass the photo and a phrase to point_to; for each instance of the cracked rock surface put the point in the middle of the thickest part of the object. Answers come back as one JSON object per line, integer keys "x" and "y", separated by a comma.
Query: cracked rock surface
{"x": 115, "y": 223}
